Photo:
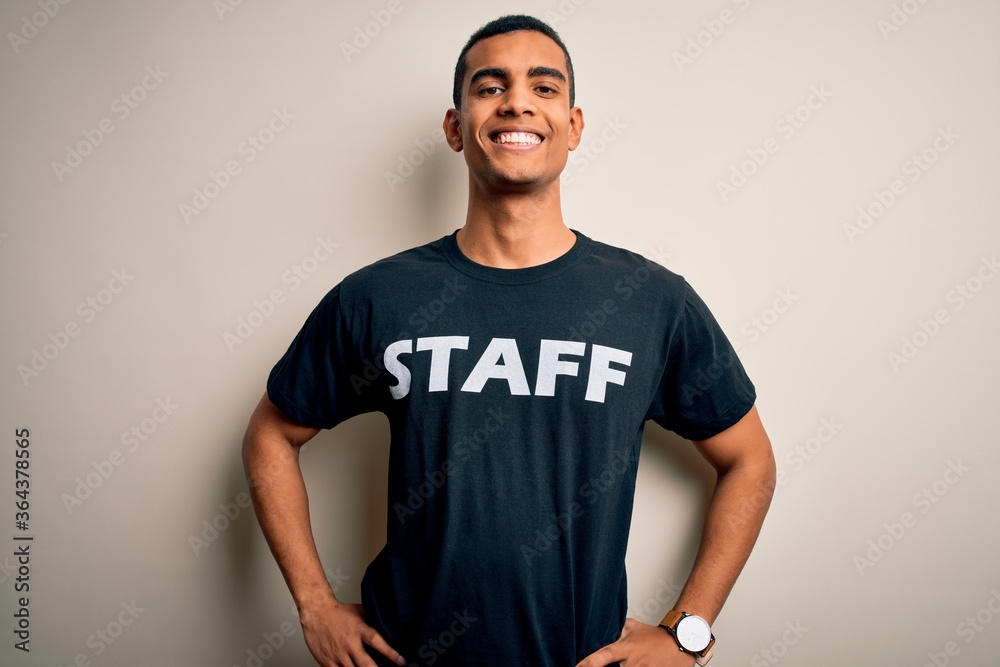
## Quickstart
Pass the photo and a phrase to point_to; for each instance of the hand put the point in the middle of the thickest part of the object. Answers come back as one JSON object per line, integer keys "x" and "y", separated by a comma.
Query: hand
{"x": 336, "y": 632}
{"x": 640, "y": 645}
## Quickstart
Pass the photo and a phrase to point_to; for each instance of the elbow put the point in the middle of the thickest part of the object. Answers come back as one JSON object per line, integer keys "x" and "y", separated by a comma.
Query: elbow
{"x": 763, "y": 466}
{"x": 755, "y": 466}
{"x": 768, "y": 465}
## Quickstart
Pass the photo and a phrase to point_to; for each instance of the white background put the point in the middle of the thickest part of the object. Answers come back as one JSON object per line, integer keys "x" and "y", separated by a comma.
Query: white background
{"x": 683, "y": 127}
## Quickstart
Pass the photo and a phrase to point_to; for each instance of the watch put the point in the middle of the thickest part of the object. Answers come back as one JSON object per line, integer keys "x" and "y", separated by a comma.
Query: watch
{"x": 692, "y": 633}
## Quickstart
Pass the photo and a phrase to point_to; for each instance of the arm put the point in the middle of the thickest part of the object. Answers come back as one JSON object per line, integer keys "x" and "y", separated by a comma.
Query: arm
{"x": 334, "y": 632}
{"x": 744, "y": 461}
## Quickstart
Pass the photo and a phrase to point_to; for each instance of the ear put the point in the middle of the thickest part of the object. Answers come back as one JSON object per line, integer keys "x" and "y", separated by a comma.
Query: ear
{"x": 453, "y": 129}
{"x": 575, "y": 127}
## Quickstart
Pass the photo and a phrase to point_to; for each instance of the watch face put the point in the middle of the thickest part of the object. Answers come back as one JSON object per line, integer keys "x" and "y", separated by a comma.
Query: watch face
{"x": 693, "y": 633}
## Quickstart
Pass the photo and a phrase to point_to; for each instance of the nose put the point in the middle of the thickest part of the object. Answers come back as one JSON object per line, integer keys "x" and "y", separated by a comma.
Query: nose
{"x": 517, "y": 101}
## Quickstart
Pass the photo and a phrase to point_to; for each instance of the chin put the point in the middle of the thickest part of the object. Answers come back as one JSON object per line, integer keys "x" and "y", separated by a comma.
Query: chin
{"x": 519, "y": 184}
{"x": 517, "y": 179}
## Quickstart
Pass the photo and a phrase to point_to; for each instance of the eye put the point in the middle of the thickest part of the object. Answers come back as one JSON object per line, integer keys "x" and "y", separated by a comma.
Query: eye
{"x": 545, "y": 90}
{"x": 489, "y": 91}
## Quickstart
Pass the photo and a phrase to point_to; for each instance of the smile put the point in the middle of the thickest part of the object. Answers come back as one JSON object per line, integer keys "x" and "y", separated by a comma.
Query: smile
{"x": 517, "y": 138}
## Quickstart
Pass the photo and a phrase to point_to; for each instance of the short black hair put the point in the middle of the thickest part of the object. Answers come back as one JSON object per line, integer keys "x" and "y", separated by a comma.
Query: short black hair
{"x": 501, "y": 26}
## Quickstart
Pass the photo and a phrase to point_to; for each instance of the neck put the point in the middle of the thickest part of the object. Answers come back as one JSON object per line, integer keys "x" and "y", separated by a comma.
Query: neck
{"x": 515, "y": 230}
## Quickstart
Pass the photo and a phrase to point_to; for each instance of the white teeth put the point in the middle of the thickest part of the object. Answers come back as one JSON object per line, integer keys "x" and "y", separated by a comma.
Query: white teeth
{"x": 518, "y": 138}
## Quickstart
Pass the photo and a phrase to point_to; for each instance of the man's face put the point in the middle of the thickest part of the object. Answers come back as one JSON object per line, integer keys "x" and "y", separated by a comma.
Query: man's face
{"x": 516, "y": 126}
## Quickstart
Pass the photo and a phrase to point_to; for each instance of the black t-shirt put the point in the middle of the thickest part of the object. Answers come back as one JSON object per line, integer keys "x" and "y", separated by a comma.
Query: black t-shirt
{"x": 516, "y": 400}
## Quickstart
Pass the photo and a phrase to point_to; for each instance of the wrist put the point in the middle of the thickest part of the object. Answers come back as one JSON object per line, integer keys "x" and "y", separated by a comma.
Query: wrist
{"x": 691, "y": 633}
{"x": 696, "y": 606}
{"x": 315, "y": 598}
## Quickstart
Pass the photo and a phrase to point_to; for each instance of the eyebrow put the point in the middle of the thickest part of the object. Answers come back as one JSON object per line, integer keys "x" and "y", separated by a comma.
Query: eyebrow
{"x": 504, "y": 73}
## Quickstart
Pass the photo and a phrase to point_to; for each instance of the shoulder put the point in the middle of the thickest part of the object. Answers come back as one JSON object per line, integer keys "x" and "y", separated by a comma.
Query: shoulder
{"x": 664, "y": 294}
{"x": 384, "y": 278}
{"x": 637, "y": 271}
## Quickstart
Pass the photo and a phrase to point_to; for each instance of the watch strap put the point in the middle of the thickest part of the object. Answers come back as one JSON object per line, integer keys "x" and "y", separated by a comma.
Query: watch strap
{"x": 672, "y": 618}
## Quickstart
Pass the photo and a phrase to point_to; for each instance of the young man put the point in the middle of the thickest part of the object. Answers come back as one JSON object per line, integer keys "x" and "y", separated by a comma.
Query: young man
{"x": 517, "y": 361}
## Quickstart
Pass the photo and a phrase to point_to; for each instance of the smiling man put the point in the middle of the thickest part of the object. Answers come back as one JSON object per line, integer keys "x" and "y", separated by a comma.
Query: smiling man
{"x": 516, "y": 412}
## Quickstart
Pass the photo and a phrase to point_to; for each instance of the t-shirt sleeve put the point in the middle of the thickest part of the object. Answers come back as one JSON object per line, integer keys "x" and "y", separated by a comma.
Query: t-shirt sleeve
{"x": 319, "y": 380}
{"x": 704, "y": 388}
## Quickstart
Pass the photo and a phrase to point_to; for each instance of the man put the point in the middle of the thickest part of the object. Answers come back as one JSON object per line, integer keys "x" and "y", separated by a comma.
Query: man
{"x": 517, "y": 361}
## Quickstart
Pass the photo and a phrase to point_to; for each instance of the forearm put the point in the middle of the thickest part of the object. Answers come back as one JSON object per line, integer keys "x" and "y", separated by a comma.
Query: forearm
{"x": 735, "y": 514}
{"x": 742, "y": 456}
{"x": 279, "y": 497}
